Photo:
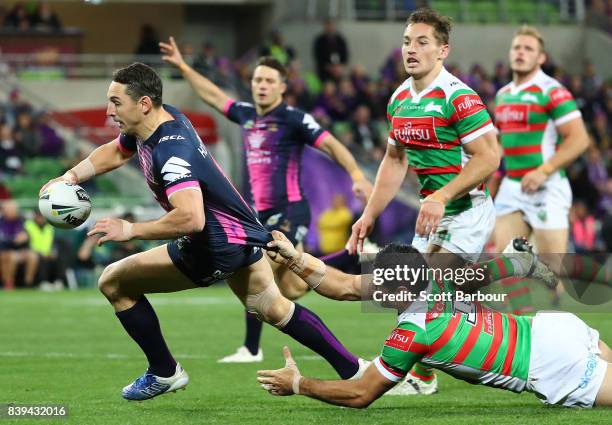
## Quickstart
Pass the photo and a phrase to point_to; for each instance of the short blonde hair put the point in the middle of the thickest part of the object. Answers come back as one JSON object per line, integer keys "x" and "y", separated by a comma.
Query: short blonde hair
{"x": 531, "y": 31}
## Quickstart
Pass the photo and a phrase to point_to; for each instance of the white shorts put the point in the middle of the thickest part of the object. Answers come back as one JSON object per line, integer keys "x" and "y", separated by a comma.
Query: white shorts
{"x": 464, "y": 234}
{"x": 564, "y": 365}
{"x": 548, "y": 208}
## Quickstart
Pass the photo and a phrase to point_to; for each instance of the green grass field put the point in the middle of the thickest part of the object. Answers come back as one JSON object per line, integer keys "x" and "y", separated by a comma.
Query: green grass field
{"x": 69, "y": 348}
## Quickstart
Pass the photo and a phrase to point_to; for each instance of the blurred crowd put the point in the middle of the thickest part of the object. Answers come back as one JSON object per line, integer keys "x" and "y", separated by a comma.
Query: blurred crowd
{"x": 30, "y": 16}
{"x": 35, "y": 254}
{"x": 25, "y": 133}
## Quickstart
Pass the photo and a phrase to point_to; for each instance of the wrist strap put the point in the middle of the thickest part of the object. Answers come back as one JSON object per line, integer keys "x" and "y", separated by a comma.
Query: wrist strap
{"x": 83, "y": 171}
{"x": 295, "y": 385}
{"x": 309, "y": 268}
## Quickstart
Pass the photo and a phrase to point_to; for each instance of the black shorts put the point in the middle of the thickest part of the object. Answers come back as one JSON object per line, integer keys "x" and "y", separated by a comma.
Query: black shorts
{"x": 204, "y": 266}
{"x": 293, "y": 220}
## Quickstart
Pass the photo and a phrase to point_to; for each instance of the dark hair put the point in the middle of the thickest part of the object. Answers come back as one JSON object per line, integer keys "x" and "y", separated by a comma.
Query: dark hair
{"x": 141, "y": 80}
{"x": 274, "y": 63}
{"x": 440, "y": 23}
{"x": 401, "y": 255}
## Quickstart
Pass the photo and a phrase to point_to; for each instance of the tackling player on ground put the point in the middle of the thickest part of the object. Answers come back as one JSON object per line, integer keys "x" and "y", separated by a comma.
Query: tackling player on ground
{"x": 465, "y": 339}
{"x": 440, "y": 127}
{"x": 274, "y": 136}
{"x": 216, "y": 234}
{"x": 541, "y": 131}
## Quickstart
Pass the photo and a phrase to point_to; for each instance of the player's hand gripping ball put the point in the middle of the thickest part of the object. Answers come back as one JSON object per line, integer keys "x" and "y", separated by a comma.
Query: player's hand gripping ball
{"x": 64, "y": 205}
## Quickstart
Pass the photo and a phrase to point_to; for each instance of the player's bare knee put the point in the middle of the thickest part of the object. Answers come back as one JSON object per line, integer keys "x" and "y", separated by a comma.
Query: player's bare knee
{"x": 108, "y": 283}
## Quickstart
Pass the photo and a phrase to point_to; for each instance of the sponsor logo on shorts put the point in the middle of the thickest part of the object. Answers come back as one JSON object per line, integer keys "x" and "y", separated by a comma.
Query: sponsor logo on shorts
{"x": 400, "y": 339}
{"x": 589, "y": 371}
{"x": 542, "y": 215}
{"x": 217, "y": 275}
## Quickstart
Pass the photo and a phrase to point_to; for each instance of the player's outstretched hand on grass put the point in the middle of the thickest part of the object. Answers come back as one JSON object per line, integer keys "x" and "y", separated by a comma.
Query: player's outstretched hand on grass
{"x": 285, "y": 381}
{"x": 281, "y": 250}
{"x": 112, "y": 229}
{"x": 171, "y": 52}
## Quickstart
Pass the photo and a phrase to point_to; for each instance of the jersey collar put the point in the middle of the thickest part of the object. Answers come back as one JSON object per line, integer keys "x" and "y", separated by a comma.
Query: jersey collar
{"x": 271, "y": 111}
{"x": 435, "y": 83}
{"x": 514, "y": 89}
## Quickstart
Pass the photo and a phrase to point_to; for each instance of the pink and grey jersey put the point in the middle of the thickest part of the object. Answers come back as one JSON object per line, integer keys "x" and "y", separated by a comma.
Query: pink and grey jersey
{"x": 464, "y": 339}
{"x": 434, "y": 125}
{"x": 174, "y": 158}
{"x": 273, "y": 146}
{"x": 527, "y": 116}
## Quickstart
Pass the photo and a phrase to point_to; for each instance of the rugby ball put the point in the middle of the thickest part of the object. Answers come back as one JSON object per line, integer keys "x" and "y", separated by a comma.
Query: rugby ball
{"x": 64, "y": 205}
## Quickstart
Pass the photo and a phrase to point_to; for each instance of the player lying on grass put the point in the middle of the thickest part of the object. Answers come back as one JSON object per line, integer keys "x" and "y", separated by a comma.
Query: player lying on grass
{"x": 554, "y": 355}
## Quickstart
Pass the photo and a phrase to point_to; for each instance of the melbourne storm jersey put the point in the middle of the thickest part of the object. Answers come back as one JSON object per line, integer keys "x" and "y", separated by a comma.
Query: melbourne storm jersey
{"x": 273, "y": 146}
{"x": 464, "y": 339}
{"x": 527, "y": 116}
{"x": 433, "y": 125}
{"x": 173, "y": 158}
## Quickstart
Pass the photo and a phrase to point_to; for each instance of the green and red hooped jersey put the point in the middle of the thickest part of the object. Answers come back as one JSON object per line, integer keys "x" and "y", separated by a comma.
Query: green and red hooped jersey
{"x": 527, "y": 116}
{"x": 434, "y": 125}
{"x": 464, "y": 339}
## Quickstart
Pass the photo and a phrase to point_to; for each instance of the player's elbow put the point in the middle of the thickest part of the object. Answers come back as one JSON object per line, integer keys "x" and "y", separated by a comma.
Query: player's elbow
{"x": 191, "y": 222}
{"x": 196, "y": 223}
{"x": 490, "y": 160}
{"x": 362, "y": 401}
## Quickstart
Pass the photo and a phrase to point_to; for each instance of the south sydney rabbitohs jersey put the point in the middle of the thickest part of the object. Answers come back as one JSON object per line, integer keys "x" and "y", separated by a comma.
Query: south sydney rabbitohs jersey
{"x": 527, "y": 116}
{"x": 434, "y": 125}
{"x": 464, "y": 339}
{"x": 273, "y": 146}
{"x": 174, "y": 158}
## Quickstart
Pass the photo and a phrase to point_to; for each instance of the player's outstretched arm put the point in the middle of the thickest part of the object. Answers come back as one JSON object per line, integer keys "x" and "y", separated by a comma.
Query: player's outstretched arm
{"x": 339, "y": 153}
{"x": 358, "y": 393}
{"x": 187, "y": 217}
{"x": 574, "y": 141}
{"x": 389, "y": 179}
{"x": 206, "y": 89}
{"x": 103, "y": 159}
{"x": 325, "y": 280}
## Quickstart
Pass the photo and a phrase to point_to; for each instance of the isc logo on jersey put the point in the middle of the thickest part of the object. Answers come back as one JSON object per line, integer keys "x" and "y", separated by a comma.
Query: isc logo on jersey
{"x": 415, "y": 131}
{"x": 173, "y": 137}
{"x": 400, "y": 339}
{"x": 467, "y": 104}
{"x": 175, "y": 169}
